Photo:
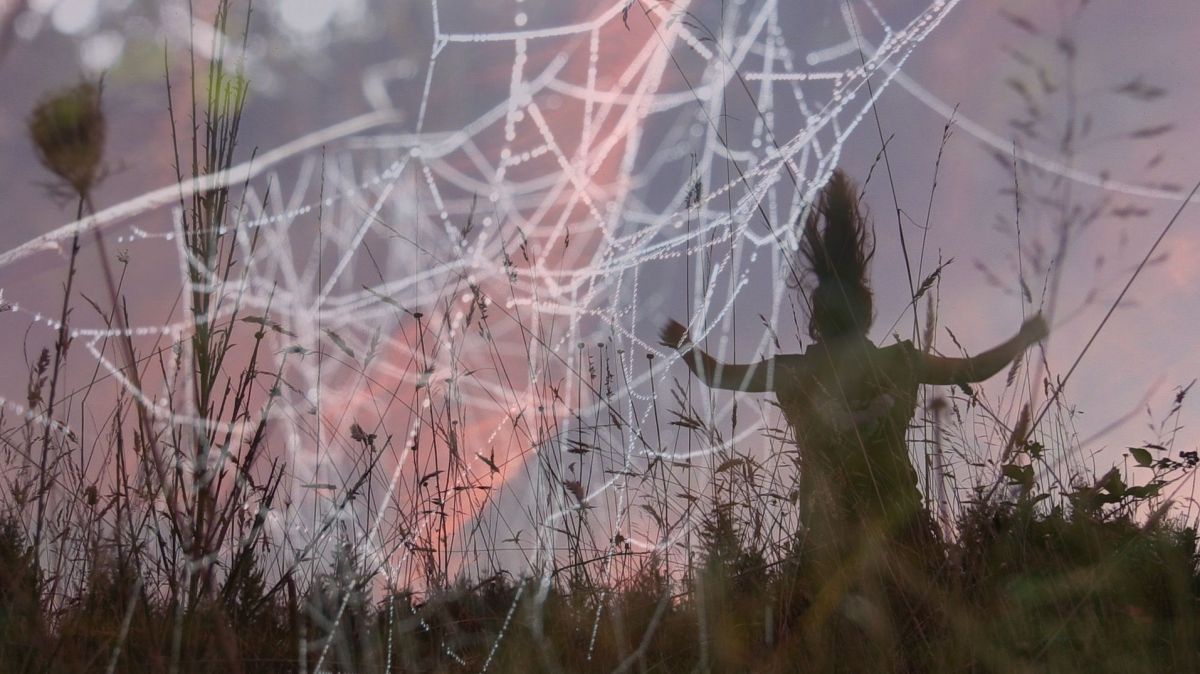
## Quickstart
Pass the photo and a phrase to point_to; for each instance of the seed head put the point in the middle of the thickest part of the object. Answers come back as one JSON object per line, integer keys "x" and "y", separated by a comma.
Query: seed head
{"x": 68, "y": 129}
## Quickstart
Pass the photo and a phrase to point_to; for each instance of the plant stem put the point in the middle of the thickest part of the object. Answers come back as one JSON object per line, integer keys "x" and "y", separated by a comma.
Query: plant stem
{"x": 61, "y": 343}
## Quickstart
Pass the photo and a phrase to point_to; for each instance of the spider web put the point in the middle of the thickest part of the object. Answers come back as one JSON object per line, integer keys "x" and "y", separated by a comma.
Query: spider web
{"x": 462, "y": 292}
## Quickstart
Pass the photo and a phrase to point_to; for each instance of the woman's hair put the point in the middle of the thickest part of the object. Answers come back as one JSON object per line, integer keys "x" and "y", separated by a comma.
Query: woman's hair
{"x": 841, "y": 301}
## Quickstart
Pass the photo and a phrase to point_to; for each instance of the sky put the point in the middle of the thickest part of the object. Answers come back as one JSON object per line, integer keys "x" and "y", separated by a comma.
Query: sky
{"x": 570, "y": 136}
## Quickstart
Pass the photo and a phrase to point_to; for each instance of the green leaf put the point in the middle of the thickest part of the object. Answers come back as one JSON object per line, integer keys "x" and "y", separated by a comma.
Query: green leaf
{"x": 1113, "y": 483}
{"x": 1144, "y": 491}
{"x": 1141, "y": 455}
{"x": 1022, "y": 475}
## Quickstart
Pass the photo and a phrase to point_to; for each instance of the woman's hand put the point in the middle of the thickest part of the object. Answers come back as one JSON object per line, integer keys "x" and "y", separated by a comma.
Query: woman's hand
{"x": 673, "y": 335}
{"x": 1034, "y": 330}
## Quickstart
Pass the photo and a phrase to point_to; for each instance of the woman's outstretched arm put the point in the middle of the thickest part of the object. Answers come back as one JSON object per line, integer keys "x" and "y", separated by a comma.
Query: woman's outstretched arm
{"x": 753, "y": 378}
{"x": 941, "y": 370}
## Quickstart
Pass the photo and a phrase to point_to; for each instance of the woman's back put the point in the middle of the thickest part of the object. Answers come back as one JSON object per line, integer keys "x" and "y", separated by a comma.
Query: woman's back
{"x": 849, "y": 404}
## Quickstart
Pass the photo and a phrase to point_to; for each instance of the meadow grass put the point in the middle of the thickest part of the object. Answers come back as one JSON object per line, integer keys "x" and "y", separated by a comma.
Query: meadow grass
{"x": 140, "y": 545}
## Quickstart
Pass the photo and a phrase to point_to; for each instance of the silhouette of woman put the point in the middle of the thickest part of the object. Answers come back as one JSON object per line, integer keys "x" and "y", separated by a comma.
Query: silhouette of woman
{"x": 849, "y": 402}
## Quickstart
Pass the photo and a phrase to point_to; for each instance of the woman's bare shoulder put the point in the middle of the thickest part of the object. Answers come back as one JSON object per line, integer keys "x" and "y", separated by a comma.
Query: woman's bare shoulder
{"x": 902, "y": 346}
{"x": 785, "y": 359}
{"x": 791, "y": 362}
{"x": 902, "y": 351}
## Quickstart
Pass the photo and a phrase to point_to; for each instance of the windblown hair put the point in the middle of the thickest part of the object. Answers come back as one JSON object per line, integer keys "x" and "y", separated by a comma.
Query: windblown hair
{"x": 841, "y": 301}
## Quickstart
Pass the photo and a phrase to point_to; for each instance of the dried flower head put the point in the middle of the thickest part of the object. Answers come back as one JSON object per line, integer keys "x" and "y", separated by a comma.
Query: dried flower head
{"x": 67, "y": 127}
